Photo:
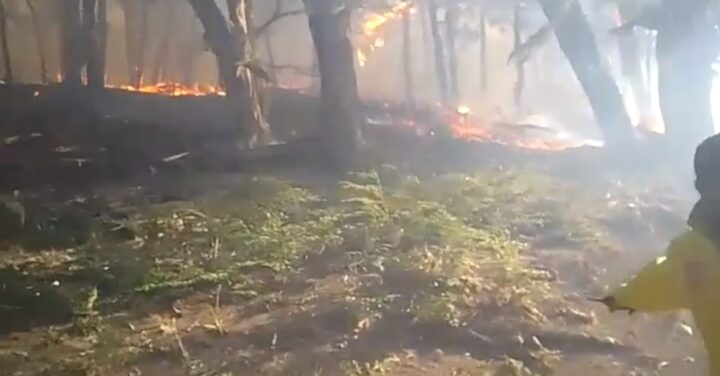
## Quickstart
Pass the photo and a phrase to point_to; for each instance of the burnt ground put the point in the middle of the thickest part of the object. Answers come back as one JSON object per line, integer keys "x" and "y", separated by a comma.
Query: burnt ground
{"x": 123, "y": 255}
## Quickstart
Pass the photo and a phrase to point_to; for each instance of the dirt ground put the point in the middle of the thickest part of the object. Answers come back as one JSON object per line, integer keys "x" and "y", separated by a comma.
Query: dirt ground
{"x": 438, "y": 258}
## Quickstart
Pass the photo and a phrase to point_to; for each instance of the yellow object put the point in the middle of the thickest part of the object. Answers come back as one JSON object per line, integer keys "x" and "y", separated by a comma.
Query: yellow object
{"x": 687, "y": 277}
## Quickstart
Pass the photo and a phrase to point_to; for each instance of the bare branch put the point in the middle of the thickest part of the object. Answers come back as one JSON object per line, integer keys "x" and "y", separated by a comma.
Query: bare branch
{"x": 278, "y": 15}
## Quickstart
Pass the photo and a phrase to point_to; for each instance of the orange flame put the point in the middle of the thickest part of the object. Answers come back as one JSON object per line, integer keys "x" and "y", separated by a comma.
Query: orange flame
{"x": 463, "y": 125}
{"x": 373, "y": 24}
{"x": 173, "y": 89}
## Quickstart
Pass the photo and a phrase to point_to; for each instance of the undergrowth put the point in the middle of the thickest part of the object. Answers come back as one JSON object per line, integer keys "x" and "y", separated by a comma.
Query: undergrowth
{"x": 446, "y": 248}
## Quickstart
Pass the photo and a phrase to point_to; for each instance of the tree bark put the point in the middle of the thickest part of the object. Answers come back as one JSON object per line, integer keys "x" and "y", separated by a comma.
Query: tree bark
{"x": 39, "y": 41}
{"x": 578, "y": 43}
{"x": 95, "y": 77}
{"x": 233, "y": 52}
{"x": 241, "y": 16}
{"x": 519, "y": 63}
{"x": 340, "y": 118}
{"x": 450, "y": 25}
{"x": 71, "y": 43}
{"x": 221, "y": 41}
{"x": 8, "y": 79}
{"x": 407, "y": 62}
{"x": 438, "y": 53}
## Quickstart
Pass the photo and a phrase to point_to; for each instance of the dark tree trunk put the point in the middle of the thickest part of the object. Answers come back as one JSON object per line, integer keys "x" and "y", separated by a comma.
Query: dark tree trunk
{"x": 687, "y": 46}
{"x": 580, "y": 47}
{"x": 407, "y": 62}
{"x": 135, "y": 13}
{"x": 5, "y": 46}
{"x": 438, "y": 53}
{"x": 40, "y": 41}
{"x": 221, "y": 41}
{"x": 95, "y": 77}
{"x": 340, "y": 117}
{"x": 519, "y": 63}
{"x": 231, "y": 50}
{"x": 450, "y": 26}
{"x": 71, "y": 42}
{"x": 483, "y": 52}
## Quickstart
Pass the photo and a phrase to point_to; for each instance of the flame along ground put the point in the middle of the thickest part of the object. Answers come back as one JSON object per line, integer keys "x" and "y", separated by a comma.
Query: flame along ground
{"x": 461, "y": 121}
{"x": 173, "y": 89}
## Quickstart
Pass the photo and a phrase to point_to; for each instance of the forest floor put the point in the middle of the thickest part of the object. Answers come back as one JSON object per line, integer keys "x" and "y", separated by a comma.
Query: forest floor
{"x": 443, "y": 264}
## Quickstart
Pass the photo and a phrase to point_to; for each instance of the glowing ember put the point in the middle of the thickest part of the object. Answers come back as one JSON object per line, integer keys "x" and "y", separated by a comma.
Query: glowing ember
{"x": 463, "y": 110}
{"x": 373, "y": 24}
{"x": 173, "y": 89}
{"x": 465, "y": 127}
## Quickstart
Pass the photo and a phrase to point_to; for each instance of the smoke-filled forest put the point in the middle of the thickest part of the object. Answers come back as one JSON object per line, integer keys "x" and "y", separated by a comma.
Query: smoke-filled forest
{"x": 359, "y": 187}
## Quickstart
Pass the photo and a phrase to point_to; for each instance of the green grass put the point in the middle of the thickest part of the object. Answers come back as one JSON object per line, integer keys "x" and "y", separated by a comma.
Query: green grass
{"x": 457, "y": 240}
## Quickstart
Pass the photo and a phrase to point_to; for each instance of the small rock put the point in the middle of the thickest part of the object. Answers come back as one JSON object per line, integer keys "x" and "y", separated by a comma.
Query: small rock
{"x": 437, "y": 355}
{"x": 689, "y": 359}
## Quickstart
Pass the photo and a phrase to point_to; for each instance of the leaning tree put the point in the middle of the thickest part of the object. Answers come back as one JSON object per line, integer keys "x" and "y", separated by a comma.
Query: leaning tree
{"x": 236, "y": 64}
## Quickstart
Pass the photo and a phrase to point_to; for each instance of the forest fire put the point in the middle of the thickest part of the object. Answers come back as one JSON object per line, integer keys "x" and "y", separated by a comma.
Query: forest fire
{"x": 373, "y": 24}
{"x": 464, "y": 126}
{"x": 173, "y": 89}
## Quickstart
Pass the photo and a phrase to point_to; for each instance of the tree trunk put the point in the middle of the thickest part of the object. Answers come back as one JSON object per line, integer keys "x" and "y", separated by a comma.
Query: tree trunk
{"x": 99, "y": 61}
{"x": 632, "y": 56}
{"x": 407, "y": 62}
{"x": 232, "y": 51}
{"x": 95, "y": 78}
{"x": 5, "y": 46}
{"x": 221, "y": 41}
{"x": 519, "y": 63}
{"x": 438, "y": 53}
{"x": 686, "y": 49}
{"x": 483, "y": 52}
{"x": 135, "y": 14}
{"x": 426, "y": 38}
{"x": 340, "y": 118}
{"x": 241, "y": 16}
{"x": 71, "y": 42}
{"x": 39, "y": 41}
{"x": 161, "y": 56}
{"x": 580, "y": 47}
{"x": 450, "y": 25}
